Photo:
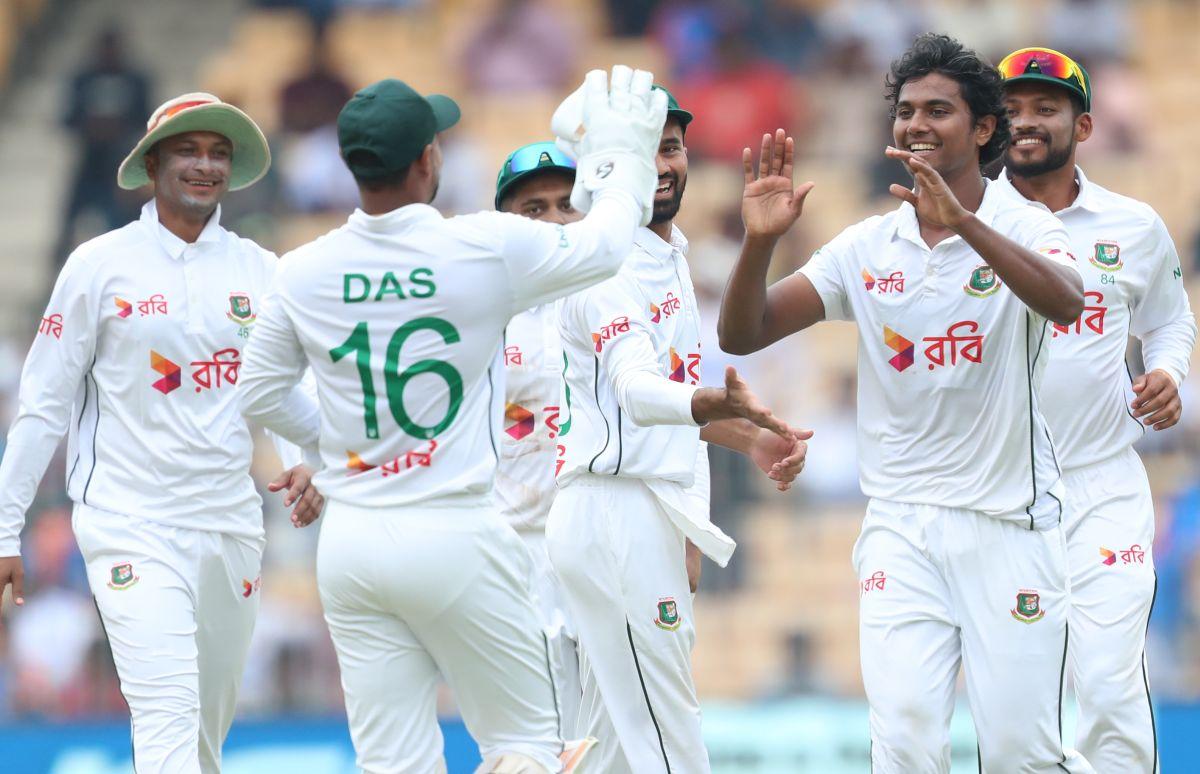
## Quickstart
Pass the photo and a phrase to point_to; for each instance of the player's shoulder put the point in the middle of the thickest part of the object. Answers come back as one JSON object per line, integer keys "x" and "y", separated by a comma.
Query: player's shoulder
{"x": 313, "y": 253}
{"x": 108, "y": 249}
{"x": 869, "y": 232}
{"x": 1134, "y": 213}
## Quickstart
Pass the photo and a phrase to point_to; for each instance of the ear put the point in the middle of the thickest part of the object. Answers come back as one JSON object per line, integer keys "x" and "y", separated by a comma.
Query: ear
{"x": 984, "y": 129}
{"x": 151, "y": 162}
{"x": 424, "y": 162}
{"x": 1083, "y": 127}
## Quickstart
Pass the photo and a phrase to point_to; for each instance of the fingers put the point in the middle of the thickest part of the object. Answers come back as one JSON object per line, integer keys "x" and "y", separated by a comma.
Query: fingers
{"x": 281, "y": 481}
{"x": 1153, "y": 397}
{"x": 618, "y": 88}
{"x": 640, "y": 85}
{"x": 789, "y": 156}
{"x": 764, "y": 157}
{"x": 595, "y": 94}
{"x": 18, "y": 585}
{"x": 1169, "y": 416}
{"x": 903, "y": 194}
{"x": 308, "y": 509}
{"x": 732, "y": 380}
{"x": 777, "y": 152}
{"x": 800, "y": 193}
{"x": 748, "y": 165}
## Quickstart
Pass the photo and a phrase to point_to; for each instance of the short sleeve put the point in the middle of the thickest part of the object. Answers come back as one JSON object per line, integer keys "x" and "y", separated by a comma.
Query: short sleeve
{"x": 826, "y": 270}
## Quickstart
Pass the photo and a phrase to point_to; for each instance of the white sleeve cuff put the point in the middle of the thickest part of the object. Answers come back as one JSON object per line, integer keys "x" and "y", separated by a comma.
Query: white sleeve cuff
{"x": 650, "y": 399}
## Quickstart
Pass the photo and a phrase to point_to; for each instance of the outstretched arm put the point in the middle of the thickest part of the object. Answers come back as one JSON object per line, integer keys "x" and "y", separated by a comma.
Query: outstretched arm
{"x": 753, "y": 316}
{"x": 1051, "y": 290}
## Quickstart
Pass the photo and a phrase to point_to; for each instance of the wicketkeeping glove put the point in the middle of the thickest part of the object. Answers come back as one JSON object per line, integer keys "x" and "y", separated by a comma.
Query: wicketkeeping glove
{"x": 613, "y": 128}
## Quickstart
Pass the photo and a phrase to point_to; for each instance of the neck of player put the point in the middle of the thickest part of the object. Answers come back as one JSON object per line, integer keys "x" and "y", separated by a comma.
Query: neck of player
{"x": 662, "y": 230}
{"x": 185, "y": 224}
{"x": 1057, "y": 189}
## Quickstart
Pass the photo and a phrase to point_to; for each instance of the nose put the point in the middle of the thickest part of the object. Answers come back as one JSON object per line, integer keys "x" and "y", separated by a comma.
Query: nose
{"x": 661, "y": 165}
{"x": 919, "y": 123}
{"x": 1020, "y": 119}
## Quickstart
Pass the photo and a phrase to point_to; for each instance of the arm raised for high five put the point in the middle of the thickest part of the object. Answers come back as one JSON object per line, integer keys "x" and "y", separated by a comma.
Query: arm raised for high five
{"x": 1052, "y": 290}
{"x": 754, "y": 316}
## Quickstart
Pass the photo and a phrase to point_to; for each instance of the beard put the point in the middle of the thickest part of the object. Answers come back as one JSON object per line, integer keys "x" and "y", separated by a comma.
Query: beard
{"x": 664, "y": 212}
{"x": 1056, "y": 158}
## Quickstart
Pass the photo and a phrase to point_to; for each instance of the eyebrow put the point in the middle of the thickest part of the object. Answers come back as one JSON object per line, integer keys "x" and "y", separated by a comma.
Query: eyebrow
{"x": 935, "y": 102}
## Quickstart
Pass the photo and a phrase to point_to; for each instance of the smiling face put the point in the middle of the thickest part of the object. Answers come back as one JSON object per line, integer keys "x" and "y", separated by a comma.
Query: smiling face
{"x": 1045, "y": 128}
{"x": 190, "y": 172}
{"x": 546, "y": 196}
{"x": 934, "y": 122}
{"x": 672, "y": 173}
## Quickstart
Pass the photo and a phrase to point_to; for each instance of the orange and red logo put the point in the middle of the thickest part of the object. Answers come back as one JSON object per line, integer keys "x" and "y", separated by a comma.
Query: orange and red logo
{"x": 170, "y": 373}
{"x": 902, "y": 346}
{"x": 522, "y": 421}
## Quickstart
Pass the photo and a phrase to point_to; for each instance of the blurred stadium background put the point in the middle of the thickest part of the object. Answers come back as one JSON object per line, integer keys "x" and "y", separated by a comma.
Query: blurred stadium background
{"x": 777, "y": 657}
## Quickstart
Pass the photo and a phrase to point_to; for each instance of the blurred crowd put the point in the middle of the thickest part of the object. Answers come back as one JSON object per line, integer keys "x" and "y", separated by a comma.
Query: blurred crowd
{"x": 813, "y": 66}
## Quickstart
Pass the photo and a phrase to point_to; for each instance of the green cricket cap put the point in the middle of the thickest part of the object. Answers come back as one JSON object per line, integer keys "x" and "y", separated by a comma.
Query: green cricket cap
{"x": 529, "y": 160}
{"x": 1047, "y": 66}
{"x": 673, "y": 109}
{"x": 387, "y": 125}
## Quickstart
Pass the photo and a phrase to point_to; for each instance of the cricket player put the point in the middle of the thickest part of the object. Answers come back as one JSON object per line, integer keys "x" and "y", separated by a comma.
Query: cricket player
{"x": 961, "y": 558}
{"x": 400, "y": 314}
{"x": 137, "y": 355}
{"x": 631, "y": 423}
{"x": 536, "y": 181}
{"x": 1133, "y": 284}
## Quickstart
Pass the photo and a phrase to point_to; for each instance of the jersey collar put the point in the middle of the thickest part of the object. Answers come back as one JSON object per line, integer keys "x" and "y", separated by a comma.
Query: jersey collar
{"x": 1084, "y": 200}
{"x": 905, "y": 225}
{"x": 398, "y": 219}
{"x": 652, "y": 244}
{"x": 172, "y": 244}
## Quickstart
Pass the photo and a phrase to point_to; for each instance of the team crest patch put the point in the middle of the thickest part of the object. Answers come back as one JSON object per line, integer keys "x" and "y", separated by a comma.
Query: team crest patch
{"x": 668, "y": 614}
{"x": 239, "y": 309}
{"x": 1028, "y": 609}
{"x": 983, "y": 282}
{"x": 1107, "y": 256}
{"x": 122, "y": 577}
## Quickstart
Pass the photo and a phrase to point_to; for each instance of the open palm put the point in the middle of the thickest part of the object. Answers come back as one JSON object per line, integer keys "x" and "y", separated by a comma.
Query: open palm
{"x": 769, "y": 204}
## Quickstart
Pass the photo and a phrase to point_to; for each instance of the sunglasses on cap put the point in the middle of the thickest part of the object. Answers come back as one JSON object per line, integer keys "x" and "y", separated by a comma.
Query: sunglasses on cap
{"x": 1048, "y": 65}
{"x": 539, "y": 154}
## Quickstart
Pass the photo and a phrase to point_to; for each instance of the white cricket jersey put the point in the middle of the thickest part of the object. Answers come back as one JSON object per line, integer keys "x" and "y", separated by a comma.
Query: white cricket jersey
{"x": 643, "y": 320}
{"x": 533, "y": 365}
{"x": 949, "y": 362}
{"x": 138, "y": 353}
{"x": 401, "y": 318}
{"x": 646, "y": 319}
{"x": 1133, "y": 283}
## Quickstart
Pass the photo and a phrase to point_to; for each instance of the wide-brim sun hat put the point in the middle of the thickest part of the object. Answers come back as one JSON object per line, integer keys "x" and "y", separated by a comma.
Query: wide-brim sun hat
{"x": 201, "y": 112}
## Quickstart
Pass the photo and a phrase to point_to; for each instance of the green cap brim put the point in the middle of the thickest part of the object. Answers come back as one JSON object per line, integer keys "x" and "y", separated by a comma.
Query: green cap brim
{"x": 504, "y": 188}
{"x": 683, "y": 116}
{"x": 251, "y": 155}
{"x": 1040, "y": 78}
{"x": 445, "y": 111}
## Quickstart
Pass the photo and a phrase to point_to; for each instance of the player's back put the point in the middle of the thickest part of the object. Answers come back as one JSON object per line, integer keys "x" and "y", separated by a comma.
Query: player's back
{"x": 401, "y": 317}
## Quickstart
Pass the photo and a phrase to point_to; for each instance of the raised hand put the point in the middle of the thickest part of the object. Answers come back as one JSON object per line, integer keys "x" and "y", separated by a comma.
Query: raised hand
{"x": 769, "y": 204}
{"x": 935, "y": 202}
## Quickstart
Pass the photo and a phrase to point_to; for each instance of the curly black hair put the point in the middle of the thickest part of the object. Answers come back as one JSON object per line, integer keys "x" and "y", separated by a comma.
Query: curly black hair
{"x": 981, "y": 84}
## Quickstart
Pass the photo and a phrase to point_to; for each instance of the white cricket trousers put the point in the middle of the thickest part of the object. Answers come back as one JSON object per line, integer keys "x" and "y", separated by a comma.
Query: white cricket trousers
{"x": 427, "y": 591}
{"x": 178, "y": 606}
{"x": 944, "y": 587}
{"x": 559, "y": 632}
{"x": 621, "y": 564}
{"x": 1109, "y": 521}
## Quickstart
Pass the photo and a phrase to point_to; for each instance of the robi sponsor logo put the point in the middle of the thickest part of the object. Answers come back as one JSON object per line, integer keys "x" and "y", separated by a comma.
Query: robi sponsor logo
{"x": 1092, "y": 316}
{"x": 902, "y": 346}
